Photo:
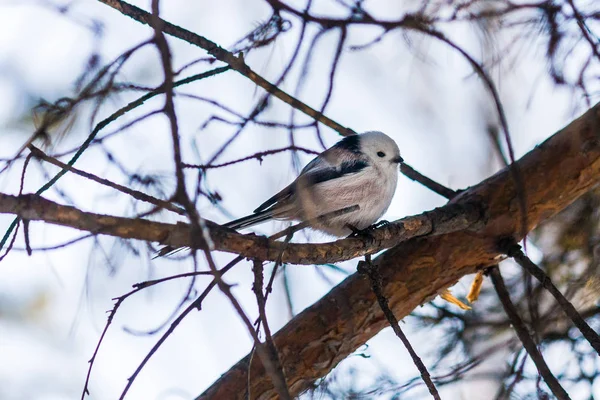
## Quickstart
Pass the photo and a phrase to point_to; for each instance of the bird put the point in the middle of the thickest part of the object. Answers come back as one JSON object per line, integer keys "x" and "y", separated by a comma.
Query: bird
{"x": 359, "y": 170}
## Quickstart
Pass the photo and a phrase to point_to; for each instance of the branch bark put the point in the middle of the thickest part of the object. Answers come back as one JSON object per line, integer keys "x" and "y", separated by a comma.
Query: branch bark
{"x": 450, "y": 218}
{"x": 555, "y": 174}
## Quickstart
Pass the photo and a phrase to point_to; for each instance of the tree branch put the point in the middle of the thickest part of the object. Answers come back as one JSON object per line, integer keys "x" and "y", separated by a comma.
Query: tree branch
{"x": 136, "y": 194}
{"x": 366, "y": 267}
{"x": 236, "y": 63}
{"x": 514, "y": 250}
{"x": 526, "y": 339}
{"x": 436, "y": 222}
{"x": 555, "y": 174}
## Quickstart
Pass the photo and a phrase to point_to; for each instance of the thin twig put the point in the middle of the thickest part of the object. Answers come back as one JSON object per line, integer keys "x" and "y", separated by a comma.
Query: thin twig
{"x": 236, "y": 63}
{"x": 56, "y": 246}
{"x": 138, "y": 287}
{"x": 196, "y": 304}
{"x": 430, "y": 184}
{"x": 136, "y": 194}
{"x": 514, "y": 250}
{"x": 264, "y": 355}
{"x": 25, "y": 221}
{"x": 258, "y": 156}
{"x": 279, "y": 383}
{"x": 278, "y": 263}
{"x": 372, "y": 271}
{"x": 517, "y": 371}
{"x": 169, "y": 106}
{"x": 489, "y": 84}
{"x": 17, "y": 221}
{"x": 105, "y": 122}
{"x": 524, "y": 336}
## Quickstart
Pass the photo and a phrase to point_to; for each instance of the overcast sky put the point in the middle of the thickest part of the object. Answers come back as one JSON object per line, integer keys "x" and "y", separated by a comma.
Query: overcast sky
{"x": 52, "y": 304}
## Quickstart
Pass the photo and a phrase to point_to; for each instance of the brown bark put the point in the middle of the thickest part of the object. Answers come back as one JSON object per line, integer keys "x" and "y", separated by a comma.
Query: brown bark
{"x": 450, "y": 218}
{"x": 555, "y": 174}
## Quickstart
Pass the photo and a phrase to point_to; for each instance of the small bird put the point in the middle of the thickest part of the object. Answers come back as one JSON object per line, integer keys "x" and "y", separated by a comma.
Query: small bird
{"x": 359, "y": 170}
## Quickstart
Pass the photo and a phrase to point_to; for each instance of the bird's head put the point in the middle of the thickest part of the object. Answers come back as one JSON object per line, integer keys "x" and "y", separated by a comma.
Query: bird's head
{"x": 380, "y": 149}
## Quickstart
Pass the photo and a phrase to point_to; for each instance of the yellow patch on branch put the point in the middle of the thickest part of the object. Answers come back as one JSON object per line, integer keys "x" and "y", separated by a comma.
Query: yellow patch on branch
{"x": 449, "y": 297}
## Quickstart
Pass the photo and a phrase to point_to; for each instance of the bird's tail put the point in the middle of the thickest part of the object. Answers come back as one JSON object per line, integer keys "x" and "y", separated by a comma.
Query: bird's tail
{"x": 167, "y": 251}
{"x": 241, "y": 223}
{"x": 250, "y": 220}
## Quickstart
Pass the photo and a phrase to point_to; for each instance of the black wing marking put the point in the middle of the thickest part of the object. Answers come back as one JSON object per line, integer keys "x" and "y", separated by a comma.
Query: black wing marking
{"x": 350, "y": 143}
{"x": 327, "y": 174}
{"x": 345, "y": 150}
{"x": 314, "y": 164}
{"x": 317, "y": 171}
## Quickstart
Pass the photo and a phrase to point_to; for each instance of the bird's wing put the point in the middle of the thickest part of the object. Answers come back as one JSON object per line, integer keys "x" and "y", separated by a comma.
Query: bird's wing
{"x": 346, "y": 150}
{"x": 344, "y": 169}
{"x": 338, "y": 161}
{"x": 315, "y": 165}
{"x": 314, "y": 174}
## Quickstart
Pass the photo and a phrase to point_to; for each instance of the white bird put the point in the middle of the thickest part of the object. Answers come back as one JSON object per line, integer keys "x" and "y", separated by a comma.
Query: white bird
{"x": 359, "y": 170}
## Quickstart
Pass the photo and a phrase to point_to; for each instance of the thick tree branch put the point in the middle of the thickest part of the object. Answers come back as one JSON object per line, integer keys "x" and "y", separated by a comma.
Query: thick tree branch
{"x": 555, "y": 174}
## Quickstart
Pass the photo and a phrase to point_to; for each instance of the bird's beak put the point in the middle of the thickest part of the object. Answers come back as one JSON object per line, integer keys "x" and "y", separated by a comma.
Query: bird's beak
{"x": 398, "y": 160}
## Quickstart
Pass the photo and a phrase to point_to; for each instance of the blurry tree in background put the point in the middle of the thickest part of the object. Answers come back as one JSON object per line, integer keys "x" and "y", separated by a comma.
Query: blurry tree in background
{"x": 161, "y": 116}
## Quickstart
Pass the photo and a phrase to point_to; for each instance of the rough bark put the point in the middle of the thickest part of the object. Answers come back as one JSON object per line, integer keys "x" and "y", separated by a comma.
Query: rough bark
{"x": 555, "y": 174}
{"x": 451, "y": 218}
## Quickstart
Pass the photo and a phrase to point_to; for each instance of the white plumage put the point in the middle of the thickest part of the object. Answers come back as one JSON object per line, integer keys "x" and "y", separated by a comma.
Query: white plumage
{"x": 358, "y": 170}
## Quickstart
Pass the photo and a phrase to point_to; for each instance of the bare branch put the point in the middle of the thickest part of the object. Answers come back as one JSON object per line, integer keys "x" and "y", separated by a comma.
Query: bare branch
{"x": 271, "y": 350}
{"x": 236, "y": 63}
{"x": 451, "y": 218}
{"x": 136, "y": 194}
{"x": 415, "y": 271}
{"x": 430, "y": 184}
{"x": 367, "y": 267}
{"x": 523, "y": 334}
{"x": 514, "y": 250}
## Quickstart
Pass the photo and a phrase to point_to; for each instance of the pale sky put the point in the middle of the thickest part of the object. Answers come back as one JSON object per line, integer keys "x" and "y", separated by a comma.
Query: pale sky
{"x": 52, "y": 304}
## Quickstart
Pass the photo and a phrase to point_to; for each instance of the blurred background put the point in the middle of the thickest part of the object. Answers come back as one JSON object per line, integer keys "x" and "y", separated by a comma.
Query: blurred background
{"x": 421, "y": 92}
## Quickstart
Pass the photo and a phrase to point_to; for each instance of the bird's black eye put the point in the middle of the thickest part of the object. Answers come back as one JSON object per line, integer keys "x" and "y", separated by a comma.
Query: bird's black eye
{"x": 381, "y": 154}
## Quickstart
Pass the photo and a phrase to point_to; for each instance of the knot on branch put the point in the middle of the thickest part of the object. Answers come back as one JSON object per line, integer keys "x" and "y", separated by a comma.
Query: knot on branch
{"x": 509, "y": 246}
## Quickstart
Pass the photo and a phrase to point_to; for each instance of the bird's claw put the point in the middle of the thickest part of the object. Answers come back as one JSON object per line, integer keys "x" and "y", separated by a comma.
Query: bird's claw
{"x": 368, "y": 231}
{"x": 379, "y": 224}
{"x": 365, "y": 234}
